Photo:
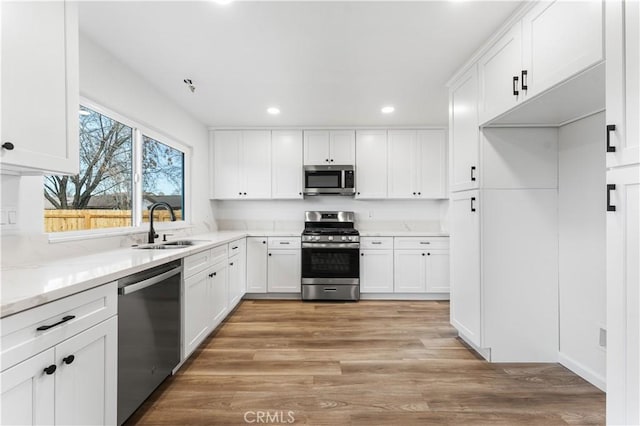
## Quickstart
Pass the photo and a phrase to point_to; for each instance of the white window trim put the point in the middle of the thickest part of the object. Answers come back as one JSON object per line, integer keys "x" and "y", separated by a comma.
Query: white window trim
{"x": 138, "y": 227}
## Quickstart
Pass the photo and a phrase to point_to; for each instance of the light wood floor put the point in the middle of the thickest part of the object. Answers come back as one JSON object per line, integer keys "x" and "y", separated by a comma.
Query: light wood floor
{"x": 365, "y": 363}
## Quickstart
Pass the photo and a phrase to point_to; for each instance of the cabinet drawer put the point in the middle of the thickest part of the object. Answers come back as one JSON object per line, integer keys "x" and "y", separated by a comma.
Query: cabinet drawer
{"x": 237, "y": 247}
{"x": 418, "y": 243}
{"x": 21, "y": 338}
{"x": 219, "y": 254}
{"x": 374, "y": 243}
{"x": 197, "y": 262}
{"x": 284, "y": 242}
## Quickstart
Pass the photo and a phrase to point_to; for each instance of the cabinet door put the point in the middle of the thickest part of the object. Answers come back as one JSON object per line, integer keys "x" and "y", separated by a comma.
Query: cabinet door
{"x": 432, "y": 161}
{"x": 286, "y": 164}
{"x": 316, "y": 147}
{"x": 256, "y": 264}
{"x": 623, "y": 81}
{"x": 86, "y": 392}
{"x": 237, "y": 281}
{"x": 465, "y": 265}
{"x": 219, "y": 296}
{"x": 371, "y": 164}
{"x": 376, "y": 271}
{"x": 283, "y": 271}
{"x": 623, "y": 297}
{"x": 342, "y": 147}
{"x": 438, "y": 271}
{"x": 27, "y": 392}
{"x": 256, "y": 164}
{"x": 40, "y": 86}
{"x": 410, "y": 271}
{"x": 497, "y": 69}
{"x": 402, "y": 164}
{"x": 464, "y": 135}
{"x": 560, "y": 39}
{"x": 226, "y": 153}
{"x": 197, "y": 310}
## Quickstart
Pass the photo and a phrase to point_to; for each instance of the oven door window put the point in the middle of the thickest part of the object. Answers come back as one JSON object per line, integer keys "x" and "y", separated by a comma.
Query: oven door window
{"x": 323, "y": 179}
{"x": 330, "y": 263}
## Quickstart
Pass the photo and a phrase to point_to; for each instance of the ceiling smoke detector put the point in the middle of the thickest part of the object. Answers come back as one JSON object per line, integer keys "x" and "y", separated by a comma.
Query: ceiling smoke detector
{"x": 189, "y": 84}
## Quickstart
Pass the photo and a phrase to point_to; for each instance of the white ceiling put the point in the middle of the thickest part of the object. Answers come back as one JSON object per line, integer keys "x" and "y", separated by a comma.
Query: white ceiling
{"x": 322, "y": 63}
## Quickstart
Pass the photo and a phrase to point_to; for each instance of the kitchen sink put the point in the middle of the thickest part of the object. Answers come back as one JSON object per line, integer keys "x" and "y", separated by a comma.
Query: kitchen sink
{"x": 171, "y": 245}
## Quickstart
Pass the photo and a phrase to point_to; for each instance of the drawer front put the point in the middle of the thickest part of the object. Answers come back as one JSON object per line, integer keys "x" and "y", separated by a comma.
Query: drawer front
{"x": 373, "y": 243}
{"x": 237, "y": 247}
{"x": 420, "y": 243}
{"x": 197, "y": 262}
{"x": 219, "y": 254}
{"x": 21, "y": 338}
{"x": 284, "y": 243}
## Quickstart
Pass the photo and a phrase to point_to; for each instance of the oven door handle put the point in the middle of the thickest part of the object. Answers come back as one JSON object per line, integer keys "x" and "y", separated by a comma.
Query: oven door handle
{"x": 332, "y": 245}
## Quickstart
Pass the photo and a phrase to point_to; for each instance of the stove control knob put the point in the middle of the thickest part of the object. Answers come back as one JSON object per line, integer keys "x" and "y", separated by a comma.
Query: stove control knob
{"x": 350, "y": 238}
{"x": 330, "y": 238}
{"x": 344, "y": 238}
{"x": 317, "y": 237}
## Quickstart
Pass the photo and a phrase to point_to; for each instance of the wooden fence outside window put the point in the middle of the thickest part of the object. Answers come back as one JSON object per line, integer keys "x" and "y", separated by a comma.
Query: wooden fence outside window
{"x": 77, "y": 220}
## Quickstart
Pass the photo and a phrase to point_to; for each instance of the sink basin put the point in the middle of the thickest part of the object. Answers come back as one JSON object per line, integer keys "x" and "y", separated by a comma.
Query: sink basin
{"x": 171, "y": 245}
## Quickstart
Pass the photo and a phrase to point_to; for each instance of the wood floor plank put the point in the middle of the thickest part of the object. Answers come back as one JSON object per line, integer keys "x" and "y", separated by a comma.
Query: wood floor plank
{"x": 365, "y": 363}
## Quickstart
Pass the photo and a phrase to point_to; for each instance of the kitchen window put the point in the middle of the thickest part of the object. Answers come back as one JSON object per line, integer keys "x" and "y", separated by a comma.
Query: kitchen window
{"x": 124, "y": 168}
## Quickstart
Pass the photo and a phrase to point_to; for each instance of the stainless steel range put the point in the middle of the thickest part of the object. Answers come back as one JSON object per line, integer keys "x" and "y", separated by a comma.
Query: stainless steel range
{"x": 330, "y": 257}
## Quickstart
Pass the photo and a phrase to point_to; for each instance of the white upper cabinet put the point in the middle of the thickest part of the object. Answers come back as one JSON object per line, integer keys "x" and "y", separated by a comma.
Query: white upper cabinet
{"x": 324, "y": 147}
{"x": 464, "y": 132}
{"x": 560, "y": 39}
{"x": 417, "y": 164}
{"x": 499, "y": 75}
{"x": 371, "y": 164}
{"x": 554, "y": 41}
{"x": 623, "y": 82}
{"x": 241, "y": 164}
{"x": 40, "y": 95}
{"x": 286, "y": 164}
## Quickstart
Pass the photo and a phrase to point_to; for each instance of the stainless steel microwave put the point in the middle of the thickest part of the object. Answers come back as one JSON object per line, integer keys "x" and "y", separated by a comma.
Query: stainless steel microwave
{"x": 329, "y": 180}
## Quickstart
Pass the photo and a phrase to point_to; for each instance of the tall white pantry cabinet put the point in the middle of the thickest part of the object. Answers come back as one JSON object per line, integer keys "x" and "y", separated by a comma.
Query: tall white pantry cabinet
{"x": 504, "y": 180}
{"x": 623, "y": 210}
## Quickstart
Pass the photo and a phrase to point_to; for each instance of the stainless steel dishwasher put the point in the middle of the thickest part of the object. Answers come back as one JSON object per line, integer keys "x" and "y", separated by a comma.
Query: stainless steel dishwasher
{"x": 148, "y": 333}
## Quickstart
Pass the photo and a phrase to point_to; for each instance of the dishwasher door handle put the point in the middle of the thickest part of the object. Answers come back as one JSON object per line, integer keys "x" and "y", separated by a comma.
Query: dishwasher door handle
{"x": 148, "y": 282}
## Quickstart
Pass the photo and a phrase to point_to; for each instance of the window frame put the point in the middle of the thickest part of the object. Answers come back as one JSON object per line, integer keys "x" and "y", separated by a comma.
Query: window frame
{"x": 139, "y": 130}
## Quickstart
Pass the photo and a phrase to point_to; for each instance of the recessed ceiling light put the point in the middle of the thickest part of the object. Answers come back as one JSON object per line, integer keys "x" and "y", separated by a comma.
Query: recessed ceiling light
{"x": 273, "y": 110}
{"x": 388, "y": 109}
{"x": 84, "y": 112}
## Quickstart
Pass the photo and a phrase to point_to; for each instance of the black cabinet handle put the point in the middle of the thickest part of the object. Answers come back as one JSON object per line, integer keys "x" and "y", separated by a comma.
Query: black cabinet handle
{"x": 610, "y": 187}
{"x": 525, "y": 86}
{"x": 233, "y": 248}
{"x": 8, "y": 146}
{"x": 515, "y": 85}
{"x": 610, "y": 128}
{"x": 68, "y": 359}
{"x": 64, "y": 319}
{"x": 213, "y": 274}
{"x": 473, "y": 204}
{"x": 231, "y": 264}
{"x": 473, "y": 173}
{"x": 50, "y": 369}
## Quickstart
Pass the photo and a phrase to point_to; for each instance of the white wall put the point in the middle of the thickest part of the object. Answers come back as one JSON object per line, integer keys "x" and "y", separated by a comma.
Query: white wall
{"x": 582, "y": 246}
{"x": 383, "y": 215}
{"x": 106, "y": 81}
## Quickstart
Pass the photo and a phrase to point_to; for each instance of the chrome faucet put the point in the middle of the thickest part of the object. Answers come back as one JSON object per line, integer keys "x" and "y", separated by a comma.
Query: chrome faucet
{"x": 152, "y": 232}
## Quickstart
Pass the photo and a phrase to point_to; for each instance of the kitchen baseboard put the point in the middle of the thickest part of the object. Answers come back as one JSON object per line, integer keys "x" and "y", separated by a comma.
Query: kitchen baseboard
{"x": 582, "y": 371}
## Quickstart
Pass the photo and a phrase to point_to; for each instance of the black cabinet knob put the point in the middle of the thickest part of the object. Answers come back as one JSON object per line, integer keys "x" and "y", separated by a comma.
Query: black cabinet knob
{"x": 8, "y": 146}
{"x": 50, "y": 369}
{"x": 423, "y": 254}
{"x": 331, "y": 160}
{"x": 358, "y": 193}
{"x": 361, "y": 254}
{"x": 299, "y": 193}
{"x": 419, "y": 193}
{"x": 269, "y": 254}
{"x": 244, "y": 193}
{"x": 428, "y": 254}
{"x": 231, "y": 264}
{"x": 213, "y": 274}
{"x": 68, "y": 359}
{"x": 264, "y": 242}
{"x": 239, "y": 193}
{"x": 326, "y": 160}
{"x": 414, "y": 193}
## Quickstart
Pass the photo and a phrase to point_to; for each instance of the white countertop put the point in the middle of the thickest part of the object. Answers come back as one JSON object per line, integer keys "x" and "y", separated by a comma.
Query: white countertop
{"x": 27, "y": 286}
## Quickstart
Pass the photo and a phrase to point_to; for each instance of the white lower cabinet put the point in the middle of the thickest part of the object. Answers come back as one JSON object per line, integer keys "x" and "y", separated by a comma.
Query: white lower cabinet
{"x": 72, "y": 382}
{"x": 256, "y": 264}
{"x": 219, "y": 296}
{"x": 283, "y": 271}
{"x": 237, "y": 273}
{"x": 421, "y": 265}
{"x": 197, "y": 306}
{"x": 376, "y": 271}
